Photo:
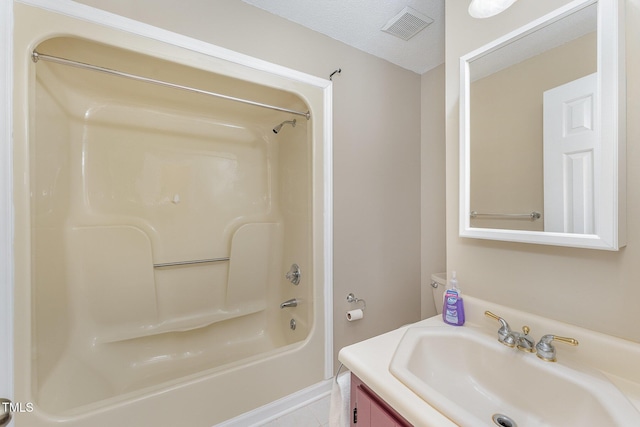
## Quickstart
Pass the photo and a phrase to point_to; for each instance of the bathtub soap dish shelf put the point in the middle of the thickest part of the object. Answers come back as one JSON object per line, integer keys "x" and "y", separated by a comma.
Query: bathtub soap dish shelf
{"x": 179, "y": 324}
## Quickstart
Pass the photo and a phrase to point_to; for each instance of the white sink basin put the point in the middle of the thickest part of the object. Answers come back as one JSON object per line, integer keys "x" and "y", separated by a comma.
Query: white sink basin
{"x": 469, "y": 377}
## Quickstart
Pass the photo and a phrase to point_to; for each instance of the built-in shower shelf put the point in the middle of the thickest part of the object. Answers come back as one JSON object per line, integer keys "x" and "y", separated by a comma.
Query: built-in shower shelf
{"x": 142, "y": 298}
{"x": 180, "y": 324}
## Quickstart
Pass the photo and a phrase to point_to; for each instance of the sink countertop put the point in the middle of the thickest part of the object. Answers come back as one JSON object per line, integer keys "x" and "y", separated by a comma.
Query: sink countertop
{"x": 370, "y": 359}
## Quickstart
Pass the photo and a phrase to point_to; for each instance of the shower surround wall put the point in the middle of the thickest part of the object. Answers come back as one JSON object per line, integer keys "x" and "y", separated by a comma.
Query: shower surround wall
{"x": 125, "y": 177}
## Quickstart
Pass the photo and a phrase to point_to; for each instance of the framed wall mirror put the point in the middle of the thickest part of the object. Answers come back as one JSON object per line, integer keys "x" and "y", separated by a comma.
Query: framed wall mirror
{"x": 542, "y": 131}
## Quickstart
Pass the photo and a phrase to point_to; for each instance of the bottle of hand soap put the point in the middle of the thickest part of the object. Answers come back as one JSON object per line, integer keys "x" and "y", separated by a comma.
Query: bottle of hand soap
{"x": 453, "y": 309}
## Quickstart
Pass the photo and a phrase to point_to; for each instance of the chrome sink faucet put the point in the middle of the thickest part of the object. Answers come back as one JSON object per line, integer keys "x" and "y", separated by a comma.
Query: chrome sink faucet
{"x": 524, "y": 342}
{"x": 520, "y": 340}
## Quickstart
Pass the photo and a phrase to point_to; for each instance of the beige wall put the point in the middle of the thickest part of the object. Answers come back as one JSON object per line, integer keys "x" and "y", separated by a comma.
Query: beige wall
{"x": 433, "y": 182}
{"x": 599, "y": 290}
{"x": 376, "y": 150}
{"x": 506, "y": 138}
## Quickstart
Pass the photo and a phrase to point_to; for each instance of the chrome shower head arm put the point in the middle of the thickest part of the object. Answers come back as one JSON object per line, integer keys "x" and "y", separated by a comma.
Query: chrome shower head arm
{"x": 278, "y": 127}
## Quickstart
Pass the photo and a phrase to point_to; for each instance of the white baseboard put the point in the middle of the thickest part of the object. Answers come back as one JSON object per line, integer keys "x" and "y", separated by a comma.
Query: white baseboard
{"x": 280, "y": 407}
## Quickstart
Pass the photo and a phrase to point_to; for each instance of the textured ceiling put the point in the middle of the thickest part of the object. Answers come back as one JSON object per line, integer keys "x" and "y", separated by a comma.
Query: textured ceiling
{"x": 358, "y": 23}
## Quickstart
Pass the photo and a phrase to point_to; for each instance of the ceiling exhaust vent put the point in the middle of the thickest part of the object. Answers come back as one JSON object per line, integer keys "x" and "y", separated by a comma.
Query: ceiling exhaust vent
{"x": 407, "y": 23}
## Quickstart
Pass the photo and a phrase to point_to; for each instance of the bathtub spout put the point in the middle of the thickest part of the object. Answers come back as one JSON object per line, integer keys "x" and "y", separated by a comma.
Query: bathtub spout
{"x": 289, "y": 303}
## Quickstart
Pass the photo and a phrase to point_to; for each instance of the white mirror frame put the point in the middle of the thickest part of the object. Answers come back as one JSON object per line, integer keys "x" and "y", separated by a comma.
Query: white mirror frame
{"x": 610, "y": 190}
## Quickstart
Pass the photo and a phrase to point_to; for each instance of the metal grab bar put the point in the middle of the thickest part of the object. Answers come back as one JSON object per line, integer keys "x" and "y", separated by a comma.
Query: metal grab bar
{"x": 532, "y": 216}
{"x": 36, "y": 56}
{"x": 197, "y": 261}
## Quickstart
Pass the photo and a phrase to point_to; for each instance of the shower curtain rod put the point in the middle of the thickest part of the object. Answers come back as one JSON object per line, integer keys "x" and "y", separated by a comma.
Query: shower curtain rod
{"x": 36, "y": 56}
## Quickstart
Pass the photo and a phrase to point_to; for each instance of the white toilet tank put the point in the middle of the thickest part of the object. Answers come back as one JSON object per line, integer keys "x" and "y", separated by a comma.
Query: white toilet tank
{"x": 433, "y": 294}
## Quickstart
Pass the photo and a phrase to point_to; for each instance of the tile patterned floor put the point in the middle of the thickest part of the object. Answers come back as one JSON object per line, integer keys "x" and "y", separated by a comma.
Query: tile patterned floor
{"x": 316, "y": 414}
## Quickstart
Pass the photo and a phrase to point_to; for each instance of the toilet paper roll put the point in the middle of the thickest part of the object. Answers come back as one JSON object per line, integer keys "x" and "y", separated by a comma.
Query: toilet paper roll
{"x": 355, "y": 315}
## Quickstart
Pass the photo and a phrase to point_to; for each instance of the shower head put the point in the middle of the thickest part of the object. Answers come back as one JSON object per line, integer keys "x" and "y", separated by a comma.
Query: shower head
{"x": 277, "y": 128}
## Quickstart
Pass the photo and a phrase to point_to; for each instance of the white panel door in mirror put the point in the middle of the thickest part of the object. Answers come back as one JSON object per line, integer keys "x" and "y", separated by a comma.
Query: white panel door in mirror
{"x": 570, "y": 153}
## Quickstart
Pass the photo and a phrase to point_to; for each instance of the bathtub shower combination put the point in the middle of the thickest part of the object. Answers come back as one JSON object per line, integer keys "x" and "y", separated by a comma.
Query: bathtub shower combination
{"x": 171, "y": 261}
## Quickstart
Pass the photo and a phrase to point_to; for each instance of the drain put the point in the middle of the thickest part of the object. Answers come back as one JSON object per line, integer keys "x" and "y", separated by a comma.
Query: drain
{"x": 503, "y": 421}
{"x": 292, "y": 324}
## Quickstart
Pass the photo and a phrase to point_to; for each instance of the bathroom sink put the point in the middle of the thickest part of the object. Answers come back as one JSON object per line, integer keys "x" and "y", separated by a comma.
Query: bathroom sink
{"x": 474, "y": 380}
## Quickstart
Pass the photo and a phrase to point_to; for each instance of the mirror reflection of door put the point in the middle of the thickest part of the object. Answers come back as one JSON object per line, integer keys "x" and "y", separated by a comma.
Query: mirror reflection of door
{"x": 570, "y": 152}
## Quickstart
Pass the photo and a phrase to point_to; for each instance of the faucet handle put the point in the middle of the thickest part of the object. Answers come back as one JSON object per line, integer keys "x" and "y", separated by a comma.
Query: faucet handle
{"x": 505, "y": 336}
{"x": 493, "y": 316}
{"x": 546, "y": 351}
{"x": 293, "y": 275}
{"x": 503, "y": 323}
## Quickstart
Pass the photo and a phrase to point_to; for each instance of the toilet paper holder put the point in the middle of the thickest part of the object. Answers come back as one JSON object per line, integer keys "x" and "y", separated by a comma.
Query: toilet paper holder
{"x": 351, "y": 298}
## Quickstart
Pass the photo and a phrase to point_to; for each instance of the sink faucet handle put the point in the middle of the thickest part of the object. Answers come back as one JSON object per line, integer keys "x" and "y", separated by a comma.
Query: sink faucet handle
{"x": 505, "y": 336}
{"x": 503, "y": 323}
{"x": 571, "y": 341}
{"x": 546, "y": 351}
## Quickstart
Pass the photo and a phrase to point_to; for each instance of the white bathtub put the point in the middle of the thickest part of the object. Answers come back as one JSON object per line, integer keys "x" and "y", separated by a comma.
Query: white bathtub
{"x": 114, "y": 180}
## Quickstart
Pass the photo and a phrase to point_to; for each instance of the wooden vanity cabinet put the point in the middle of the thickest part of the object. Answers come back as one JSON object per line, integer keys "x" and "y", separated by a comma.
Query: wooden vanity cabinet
{"x": 369, "y": 410}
